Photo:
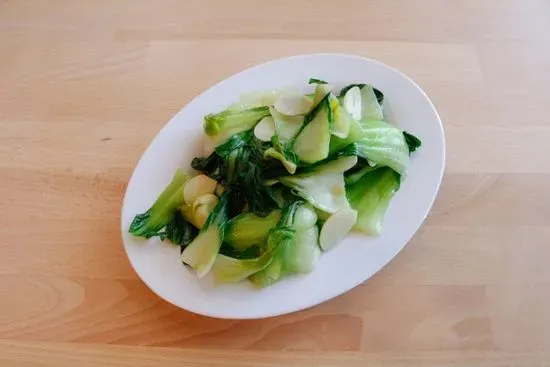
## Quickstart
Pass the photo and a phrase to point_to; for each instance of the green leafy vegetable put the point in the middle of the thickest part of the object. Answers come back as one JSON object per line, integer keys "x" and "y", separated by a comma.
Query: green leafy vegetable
{"x": 323, "y": 186}
{"x": 316, "y": 81}
{"x": 248, "y": 229}
{"x": 412, "y": 141}
{"x": 224, "y": 124}
{"x": 242, "y": 169}
{"x": 234, "y": 143}
{"x": 179, "y": 231}
{"x": 261, "y": 199}
{"x": 348, "y": 151}
{"x": 251, "y": 252}
{"x": 322, "y": 93}
{"x": 384, "y": 144}
{"x": 312, "y": 143}
{"x": 201, "y": 253}
{"x": 150, "y": 223}
{"x": 293, "y": 244}
{"x": 283, "y": 153}
{"x": 228, "y": 269}
{"x": 285, "y": 156}
{"x": 355, "y": 134}
{"x": 358, "y": 171}
{"x": 213, "y": 166}
{"x": 286, "y": 127}
{"x": 302, "y": 255}
{"x": 280, "y": 239}
{"x": 342, "y": 120}
{"x": 379, "y": 96}
{"x": 371, "y": 109}
{"x": 370, "y": 197}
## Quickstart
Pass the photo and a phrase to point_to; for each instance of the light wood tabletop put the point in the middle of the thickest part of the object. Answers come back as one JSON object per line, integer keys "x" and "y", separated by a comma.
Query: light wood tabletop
{"x": 85, "y": 86}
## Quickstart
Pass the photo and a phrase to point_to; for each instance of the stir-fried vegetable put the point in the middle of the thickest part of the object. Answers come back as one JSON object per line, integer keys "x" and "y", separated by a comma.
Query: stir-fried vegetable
{"x": 370, "y": 197}
{"x": 292, "y": 245}
{"x": 150, "y": 223}
{"x": 249, "y": 229}
{"x": 384, "y": 144}
{"x": 370, "y": 108}
{"x": 412, "y": 141}
{"x": 341, "y": 119}
{"x": 279, "y": 166}
{"x": 355, "y": 134}
{"x": 265, "y": 129}
{"x": 179, "y": 231}
{"x": 312, "y": 143}
{"x": 201, "y": 252}
{"x": 223, "y": 125}
{"x": 239, "y": 164}
{"x": 323, "y": 187}
{"x": 228, "y": 269}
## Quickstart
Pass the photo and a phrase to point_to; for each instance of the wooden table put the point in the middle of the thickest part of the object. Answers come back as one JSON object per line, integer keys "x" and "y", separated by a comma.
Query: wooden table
{"x": 84, "y": 87}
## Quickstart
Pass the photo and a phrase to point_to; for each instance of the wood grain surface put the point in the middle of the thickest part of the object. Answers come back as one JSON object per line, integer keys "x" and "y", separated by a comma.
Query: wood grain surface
{"x": 84, "y": 87}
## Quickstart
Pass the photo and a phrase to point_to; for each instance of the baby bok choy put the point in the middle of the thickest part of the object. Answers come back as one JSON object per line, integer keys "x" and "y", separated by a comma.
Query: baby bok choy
{"x": 370, "y": 194}
{"x": 322, "y": 185}
{"x": 293, "y": 245}
{"x": 179, "y": 231}
{"x": 221, "y": 126}
{"x": 291, "y": 248}
{"x": 384, "y": 144}
{"x": 312, "y": 143}
{"x": 151, "y": 222}
{"x": 249, "y": 229}
{"x": 201, "y": 252}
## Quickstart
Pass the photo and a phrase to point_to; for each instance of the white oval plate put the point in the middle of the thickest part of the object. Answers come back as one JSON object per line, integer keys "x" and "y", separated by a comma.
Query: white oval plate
{"x": 351, "y": 262}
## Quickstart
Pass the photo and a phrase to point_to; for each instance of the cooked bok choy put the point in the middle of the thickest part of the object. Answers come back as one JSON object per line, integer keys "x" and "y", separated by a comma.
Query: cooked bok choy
{"x": 292, "y": 245}
{"x": 249, "y": 229}
{"x": 151, "y": 222}
{"x": 286, "y": 176}
{"x": 370, "y": 196}
{"x": 201, "y": 252}
{"x": 323, "y": 186}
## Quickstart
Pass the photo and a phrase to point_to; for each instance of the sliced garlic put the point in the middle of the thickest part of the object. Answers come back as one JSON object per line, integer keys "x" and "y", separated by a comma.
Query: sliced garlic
{"x": 336, "y": 227}
{"x": 197, "y": 186}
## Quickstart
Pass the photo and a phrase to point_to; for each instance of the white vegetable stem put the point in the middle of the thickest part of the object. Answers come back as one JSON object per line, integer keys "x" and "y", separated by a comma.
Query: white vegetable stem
{"x": 201, "y": 253}
{"x": 370, "y": 108}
